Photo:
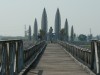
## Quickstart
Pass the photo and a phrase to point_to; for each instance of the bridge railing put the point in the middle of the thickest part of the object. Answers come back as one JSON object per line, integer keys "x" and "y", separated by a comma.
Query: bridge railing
{"x": 90, "y": 58}
{"x": 13, "y": 59}
{"x": 31, "y": 53}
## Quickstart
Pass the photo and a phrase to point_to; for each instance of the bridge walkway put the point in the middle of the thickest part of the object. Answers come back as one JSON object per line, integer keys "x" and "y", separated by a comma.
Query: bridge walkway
{"x": 55, "y": 61}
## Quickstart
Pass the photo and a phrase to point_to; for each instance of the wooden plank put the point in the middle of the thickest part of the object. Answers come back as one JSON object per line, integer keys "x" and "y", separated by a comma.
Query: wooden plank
{"x": 55, "y": 61}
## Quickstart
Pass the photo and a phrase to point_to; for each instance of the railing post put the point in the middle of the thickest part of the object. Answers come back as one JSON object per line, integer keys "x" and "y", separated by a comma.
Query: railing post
{"x": 95, "y": 56}
{"x": 11, "y": 57}
{"x": 4, "y": 59}
{"x": 20, "y": 58}
{"x": 92, "y": 55}
{"x": 98, "y": 52}
{"x": 98, "y": 49}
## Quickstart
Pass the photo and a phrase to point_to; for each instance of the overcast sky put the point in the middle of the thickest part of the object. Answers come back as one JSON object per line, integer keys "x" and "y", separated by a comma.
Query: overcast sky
{"x": 82, "y": 14}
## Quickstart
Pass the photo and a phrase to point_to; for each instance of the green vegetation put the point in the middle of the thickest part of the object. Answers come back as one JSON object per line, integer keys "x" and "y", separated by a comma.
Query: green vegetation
{"x": 62, "y": 33}
{"x": 42, "y": 34}
{"x": 82, "y": 37}
{"x": 86, "y": 46}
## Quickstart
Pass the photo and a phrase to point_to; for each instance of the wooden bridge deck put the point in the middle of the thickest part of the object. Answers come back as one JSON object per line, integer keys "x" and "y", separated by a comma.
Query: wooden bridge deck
{"x": 55, "y": 61}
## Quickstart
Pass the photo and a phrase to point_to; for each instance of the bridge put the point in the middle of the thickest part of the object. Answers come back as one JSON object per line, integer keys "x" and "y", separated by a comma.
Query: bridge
{"x": 60, "y": 58}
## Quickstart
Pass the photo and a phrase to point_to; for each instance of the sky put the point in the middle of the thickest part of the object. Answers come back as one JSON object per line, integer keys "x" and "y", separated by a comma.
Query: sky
{"x": 82, "y": 14}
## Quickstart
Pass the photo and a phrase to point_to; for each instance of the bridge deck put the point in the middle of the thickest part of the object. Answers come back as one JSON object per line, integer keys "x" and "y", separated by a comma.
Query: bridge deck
{"x": 55, "y": 61}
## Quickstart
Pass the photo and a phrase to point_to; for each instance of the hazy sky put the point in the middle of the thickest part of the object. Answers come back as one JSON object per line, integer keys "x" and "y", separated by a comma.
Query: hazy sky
{"x": 82, "y": 14}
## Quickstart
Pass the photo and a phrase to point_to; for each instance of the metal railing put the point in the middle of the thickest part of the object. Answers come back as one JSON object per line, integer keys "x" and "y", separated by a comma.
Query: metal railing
{"x": 13, "y": 59}
{"x": 90, "y": 58}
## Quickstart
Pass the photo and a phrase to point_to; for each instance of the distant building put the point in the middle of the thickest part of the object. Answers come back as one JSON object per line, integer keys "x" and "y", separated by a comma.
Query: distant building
{"x": 29, "y": 33}
{"x": 35, "y": 30}
{"x": 57, "y": 25}
{"x": 66, "y": 31}
{"x": 44, "y": 24}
